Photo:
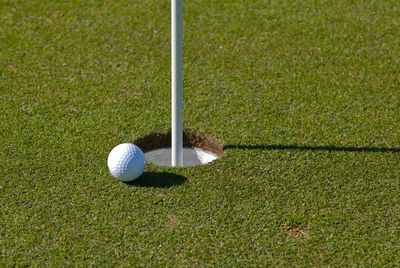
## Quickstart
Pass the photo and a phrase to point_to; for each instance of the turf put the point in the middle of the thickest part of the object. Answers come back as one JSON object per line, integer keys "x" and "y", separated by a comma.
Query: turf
{"x": 305, "y": 96}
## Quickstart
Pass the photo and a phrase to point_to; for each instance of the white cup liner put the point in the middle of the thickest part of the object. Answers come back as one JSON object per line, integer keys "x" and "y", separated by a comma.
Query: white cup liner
{"x": 191, "y": 157}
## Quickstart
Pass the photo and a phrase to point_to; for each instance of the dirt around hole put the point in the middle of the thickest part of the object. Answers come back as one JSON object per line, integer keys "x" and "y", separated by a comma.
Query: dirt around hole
{"x": 191, "y": 138}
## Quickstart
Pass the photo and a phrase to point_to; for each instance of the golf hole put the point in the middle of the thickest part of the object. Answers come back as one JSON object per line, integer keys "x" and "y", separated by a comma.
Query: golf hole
{"x": 198, "y": 149}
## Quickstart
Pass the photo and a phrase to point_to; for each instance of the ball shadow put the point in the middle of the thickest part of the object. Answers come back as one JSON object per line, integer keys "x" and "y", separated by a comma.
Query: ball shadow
{"x": 158, "y": 180}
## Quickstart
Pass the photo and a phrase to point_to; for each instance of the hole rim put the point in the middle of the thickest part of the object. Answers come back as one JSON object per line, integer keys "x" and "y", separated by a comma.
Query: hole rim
{"x": 191, "y": 139}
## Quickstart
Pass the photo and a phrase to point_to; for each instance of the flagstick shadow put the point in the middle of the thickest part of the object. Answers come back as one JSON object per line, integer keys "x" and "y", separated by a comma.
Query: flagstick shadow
{"x": 279, "y": 147}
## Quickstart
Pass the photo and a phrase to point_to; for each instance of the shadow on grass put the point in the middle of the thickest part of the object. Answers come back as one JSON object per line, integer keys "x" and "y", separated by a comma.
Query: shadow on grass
{"x": 313, "y": 148}
{"x": 158, "y": 180}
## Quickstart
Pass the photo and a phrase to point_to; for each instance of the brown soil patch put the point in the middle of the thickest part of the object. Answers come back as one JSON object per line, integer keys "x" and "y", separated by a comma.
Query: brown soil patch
{"x": 172, "y": 221}
{"x": 190, "y": 139}
{"x": 295, "y": 230}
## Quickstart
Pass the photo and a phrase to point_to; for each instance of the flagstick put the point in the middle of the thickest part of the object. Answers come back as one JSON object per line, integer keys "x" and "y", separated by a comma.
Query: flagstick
{"x": 177, "y": 84}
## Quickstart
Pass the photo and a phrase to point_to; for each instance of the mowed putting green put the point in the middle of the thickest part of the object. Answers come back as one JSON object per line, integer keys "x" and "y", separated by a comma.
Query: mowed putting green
{"x": 304, "y": 95}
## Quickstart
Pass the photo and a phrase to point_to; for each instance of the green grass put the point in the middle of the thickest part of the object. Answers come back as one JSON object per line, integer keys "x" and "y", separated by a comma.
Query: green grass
{"x": 292, "y": 88}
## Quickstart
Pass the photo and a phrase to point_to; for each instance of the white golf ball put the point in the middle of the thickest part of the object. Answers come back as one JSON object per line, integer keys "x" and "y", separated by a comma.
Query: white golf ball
{"x": 126, "y": 162}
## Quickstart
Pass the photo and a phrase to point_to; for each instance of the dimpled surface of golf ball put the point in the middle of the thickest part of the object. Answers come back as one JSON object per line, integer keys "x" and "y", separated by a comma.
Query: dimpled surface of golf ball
{"x": 126, "y": 162}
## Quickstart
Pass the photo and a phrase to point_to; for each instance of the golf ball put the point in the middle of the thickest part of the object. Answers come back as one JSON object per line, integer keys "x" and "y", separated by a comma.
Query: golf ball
{"x": 126, "y": 162}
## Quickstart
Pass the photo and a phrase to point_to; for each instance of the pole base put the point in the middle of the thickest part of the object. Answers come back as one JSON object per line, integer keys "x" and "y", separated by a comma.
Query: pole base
{"x": 191, "y": 157}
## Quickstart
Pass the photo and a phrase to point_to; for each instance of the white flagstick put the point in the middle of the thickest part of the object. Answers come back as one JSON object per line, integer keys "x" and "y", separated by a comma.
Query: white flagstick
{"x": 177, "y": 84}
